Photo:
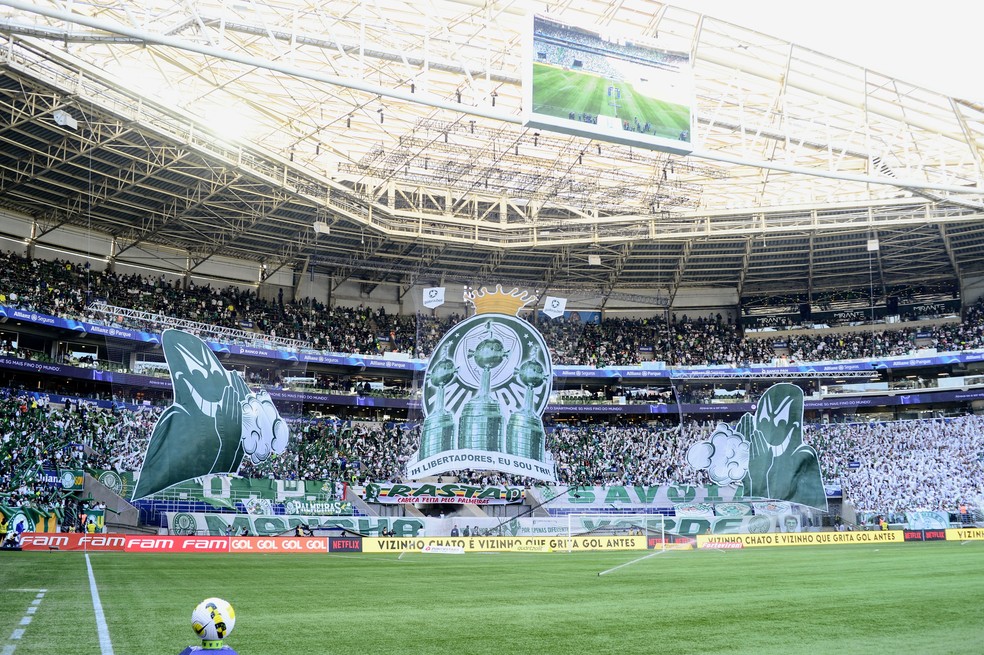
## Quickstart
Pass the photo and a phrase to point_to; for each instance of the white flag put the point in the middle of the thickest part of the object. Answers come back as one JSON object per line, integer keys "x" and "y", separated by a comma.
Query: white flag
{"x": 554, "y": 307}
{"x": 433, "y": 297}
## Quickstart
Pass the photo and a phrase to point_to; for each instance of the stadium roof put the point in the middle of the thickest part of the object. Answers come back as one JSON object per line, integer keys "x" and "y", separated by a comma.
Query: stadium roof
{"x": 234, "y": 127}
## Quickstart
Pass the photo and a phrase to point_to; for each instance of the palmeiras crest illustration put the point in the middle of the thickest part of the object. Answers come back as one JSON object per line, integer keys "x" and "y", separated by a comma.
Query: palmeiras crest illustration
{"x": 484, "y": 392}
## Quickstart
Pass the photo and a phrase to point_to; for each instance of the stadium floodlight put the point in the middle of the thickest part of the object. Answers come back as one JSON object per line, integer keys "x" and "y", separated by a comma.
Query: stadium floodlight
{"x": 320, "y": 227}
{"x": 872, "y": 245}
{"x": 65, "y": 119}
{"x": 594, "y": 260}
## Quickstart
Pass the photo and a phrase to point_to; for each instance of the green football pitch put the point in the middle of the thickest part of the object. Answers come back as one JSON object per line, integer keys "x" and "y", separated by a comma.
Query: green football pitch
{"x": 899, "y": 598}
{"x": 559, "y": 92}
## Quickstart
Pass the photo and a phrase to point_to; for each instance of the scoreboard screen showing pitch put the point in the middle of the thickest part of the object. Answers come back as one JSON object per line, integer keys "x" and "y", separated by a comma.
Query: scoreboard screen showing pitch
{"x": 591, "y": 83}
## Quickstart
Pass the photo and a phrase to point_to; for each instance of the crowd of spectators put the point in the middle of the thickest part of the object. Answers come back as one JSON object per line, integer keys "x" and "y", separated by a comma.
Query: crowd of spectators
{"x": 619, "y": 342}
{"x": 968, "y": 334}
{"x": 640, "y": 455}
{"x": 61, "y": 288}
{"x": 36, "y": 436}
{"x": 893, "y": 466}
{"x": 26, "y": 439}
{"x": 931, "y": 465}
{"x": 582, "y": 40}
{"x": 882, "y": 467}
{"x": 353, "y": 452}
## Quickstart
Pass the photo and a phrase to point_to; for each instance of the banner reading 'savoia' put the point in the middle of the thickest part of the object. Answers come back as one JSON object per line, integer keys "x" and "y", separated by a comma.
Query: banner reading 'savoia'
{"x": 724, "y": 498}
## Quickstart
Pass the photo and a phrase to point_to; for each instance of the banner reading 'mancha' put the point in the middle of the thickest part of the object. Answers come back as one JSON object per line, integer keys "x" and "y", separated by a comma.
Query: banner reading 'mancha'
{"x": 484, "y": 394}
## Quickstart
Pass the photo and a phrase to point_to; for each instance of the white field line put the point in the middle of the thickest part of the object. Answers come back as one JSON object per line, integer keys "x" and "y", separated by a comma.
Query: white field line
{"x": 105, "y": 644}
{"x": 18, "y": 633}
{"x": 638, "y": 559}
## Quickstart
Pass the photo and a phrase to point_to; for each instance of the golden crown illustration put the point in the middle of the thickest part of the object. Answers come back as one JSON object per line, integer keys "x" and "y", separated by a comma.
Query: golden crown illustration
{"x": 498, "y": 301}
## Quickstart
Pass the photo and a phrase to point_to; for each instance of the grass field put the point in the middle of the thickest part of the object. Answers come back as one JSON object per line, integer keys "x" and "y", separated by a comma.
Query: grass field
{"x": 904, "y": 598}
{"x": 557, "y": 92}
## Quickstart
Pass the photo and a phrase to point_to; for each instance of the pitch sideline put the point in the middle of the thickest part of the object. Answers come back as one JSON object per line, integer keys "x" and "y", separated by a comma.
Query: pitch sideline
{"x": 105, "y": 643}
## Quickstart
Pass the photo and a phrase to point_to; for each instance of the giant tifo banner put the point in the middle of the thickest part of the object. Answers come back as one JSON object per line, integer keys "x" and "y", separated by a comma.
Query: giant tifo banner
{"x": 762, "y": 456}
{"x": 389, "y": 493}
{"x": 214, "y": 422}
{"x": 764, "y": 452}
{"x": 484, "y": 393}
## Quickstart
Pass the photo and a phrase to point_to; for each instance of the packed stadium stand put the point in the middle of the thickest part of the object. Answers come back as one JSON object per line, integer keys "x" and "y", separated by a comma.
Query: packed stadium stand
{"x": 928, "y": 463}
{"x": 299, "y": 249}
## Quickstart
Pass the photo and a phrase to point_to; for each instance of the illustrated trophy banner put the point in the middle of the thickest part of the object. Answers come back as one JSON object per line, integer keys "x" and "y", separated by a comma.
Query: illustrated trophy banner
{"x": 484, "y": 393}
{"x": 214, "y": 422}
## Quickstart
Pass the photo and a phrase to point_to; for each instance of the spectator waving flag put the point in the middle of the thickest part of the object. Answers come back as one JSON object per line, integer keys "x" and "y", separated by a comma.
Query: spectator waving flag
{"x": 554, "y": 307}
{"x": 433, "y": 297}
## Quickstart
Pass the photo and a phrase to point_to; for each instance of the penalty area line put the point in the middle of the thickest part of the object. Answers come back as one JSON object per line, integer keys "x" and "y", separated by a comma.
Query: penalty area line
{"x": 105, "y": 644}
{"x": 638, "y": 559}
{"x": 18, "y": 633}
